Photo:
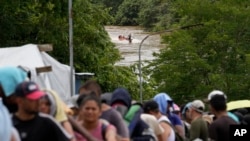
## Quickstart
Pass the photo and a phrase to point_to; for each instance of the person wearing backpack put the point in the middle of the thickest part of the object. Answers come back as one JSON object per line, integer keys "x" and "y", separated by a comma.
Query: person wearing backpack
{"x": 108, "y": 113}
{"x": 151, "y": 107}
{"x": 89, "y": 118}
{"x": 131, "y": 113}
{"x": 165, "y": 104}
{"x": 185, "y": 119}
{"x": 154, "y": 125}
{"x": 198, "y": 129}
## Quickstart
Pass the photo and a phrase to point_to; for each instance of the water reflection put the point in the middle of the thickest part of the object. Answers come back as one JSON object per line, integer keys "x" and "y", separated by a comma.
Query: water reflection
{"x": 129, "y": 51}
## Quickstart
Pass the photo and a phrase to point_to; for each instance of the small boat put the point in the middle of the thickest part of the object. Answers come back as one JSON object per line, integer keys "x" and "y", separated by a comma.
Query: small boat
{"x": 121, "y": 38}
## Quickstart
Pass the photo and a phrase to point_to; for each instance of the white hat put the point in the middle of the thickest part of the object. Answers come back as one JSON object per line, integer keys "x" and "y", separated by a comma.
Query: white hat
{"x": 215, "y": 92}
{"x": 198, "y": 106}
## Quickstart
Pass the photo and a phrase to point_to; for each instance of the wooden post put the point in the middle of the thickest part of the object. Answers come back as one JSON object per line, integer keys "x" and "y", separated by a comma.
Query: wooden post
{"x": 43, "y": 69}
{"x": 45, "y": 47}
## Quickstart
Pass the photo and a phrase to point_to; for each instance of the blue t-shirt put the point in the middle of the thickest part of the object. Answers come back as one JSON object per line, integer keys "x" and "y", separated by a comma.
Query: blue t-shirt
{"x": 233, "y": 116}
{"x": 175, "y": 120}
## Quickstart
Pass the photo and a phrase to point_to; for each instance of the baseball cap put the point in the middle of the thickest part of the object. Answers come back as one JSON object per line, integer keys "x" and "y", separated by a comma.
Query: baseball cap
{"x": 213, "y": 93}
{"x": 176, "y": 108}
{"x": 198, "y": 106}
{"x": 29, "y": 90}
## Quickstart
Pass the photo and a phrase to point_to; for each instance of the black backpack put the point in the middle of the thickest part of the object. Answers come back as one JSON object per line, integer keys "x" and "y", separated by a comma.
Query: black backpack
{"x": 139, "y": 130}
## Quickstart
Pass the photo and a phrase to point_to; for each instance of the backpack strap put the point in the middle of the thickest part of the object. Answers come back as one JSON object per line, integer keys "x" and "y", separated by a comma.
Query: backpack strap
{"x": 170, "y": 124}
{"x": 177, "y": 136}
{"x": 103, "y": 129}
{"x": 132, "y": 117}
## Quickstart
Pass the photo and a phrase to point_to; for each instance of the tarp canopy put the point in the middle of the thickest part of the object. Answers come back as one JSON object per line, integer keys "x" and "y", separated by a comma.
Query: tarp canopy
{"x": 238, "y": 104}
{"x": 29, "y": 56}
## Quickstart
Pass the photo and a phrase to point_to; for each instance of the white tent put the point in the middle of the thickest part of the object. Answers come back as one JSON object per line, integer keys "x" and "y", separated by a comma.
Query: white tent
{"x": 31, "y": 57}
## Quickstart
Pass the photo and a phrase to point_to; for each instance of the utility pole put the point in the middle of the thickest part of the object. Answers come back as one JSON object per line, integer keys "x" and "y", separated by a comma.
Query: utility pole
{"x": 71, "y": 58}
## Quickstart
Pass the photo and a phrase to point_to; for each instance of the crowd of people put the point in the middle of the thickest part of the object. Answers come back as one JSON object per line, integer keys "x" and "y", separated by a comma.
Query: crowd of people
{"x": 30, "y": 113}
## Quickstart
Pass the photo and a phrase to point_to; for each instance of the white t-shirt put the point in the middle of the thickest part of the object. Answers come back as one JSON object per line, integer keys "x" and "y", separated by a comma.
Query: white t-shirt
{"x": 172, "y": 134}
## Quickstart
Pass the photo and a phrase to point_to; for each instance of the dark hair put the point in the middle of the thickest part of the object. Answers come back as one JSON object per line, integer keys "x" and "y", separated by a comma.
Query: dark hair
{"x": 82, "y": 96}
{"x": 183, "y": 108}
{"x": 218, "y": 102}
{"x": 92, "y": 97}
{"x": 92, "y": 85}
{"x": 150, "y": 105}
{"x": 246, "y": 119}
{"x": 46, "y": 97}
{"x": 239, "y": 115}
{"x": 88, "y": 93}
{"x": 243, "y": 111}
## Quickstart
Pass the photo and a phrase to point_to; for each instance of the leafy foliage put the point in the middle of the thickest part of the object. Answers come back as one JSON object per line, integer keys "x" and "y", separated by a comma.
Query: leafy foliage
{"x": 197, "y": 60}
{"x": 127, "y": 13}
{"x": 40, "y": 22}
{"x": 113, "y": 5}
{"x": 155, "y": 15}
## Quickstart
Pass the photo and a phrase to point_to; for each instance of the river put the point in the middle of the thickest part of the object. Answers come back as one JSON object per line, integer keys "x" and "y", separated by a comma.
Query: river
{"x": 129, "y": 51}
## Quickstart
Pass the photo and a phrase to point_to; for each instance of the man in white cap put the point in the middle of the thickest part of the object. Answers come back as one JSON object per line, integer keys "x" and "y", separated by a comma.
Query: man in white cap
{"x": 219, "y": 129}
{"x": 218, "y": 92}
{"x": 198, "y": 129}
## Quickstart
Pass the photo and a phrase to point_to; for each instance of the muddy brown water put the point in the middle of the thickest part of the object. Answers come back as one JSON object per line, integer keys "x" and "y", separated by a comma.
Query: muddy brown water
{"x": 129, "y": 51}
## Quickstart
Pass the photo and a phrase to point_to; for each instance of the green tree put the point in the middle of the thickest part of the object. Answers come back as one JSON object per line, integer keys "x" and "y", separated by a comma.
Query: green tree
{"x": 113, "y": 5}
{"x": 198, "y": 60}
{"x": 30, "y": 21}
{"x": 127, "y": 13}
{"x": 155, "y": 15}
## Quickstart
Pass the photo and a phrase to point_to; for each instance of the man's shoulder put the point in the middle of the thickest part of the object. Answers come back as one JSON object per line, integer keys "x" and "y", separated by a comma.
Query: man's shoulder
{"x": 198, "y": 121}
{"x": 164, "y": 118}
{"x": 149, "y": 119}
{"x": 112, "y": 112}
{"x": 222, "y": 122}
{"x": 55, "y": 125}
{"x": 224, "y": 119}
{"x": 46, "y": 118}
{"x": 111, "y": 115}
{"x": 148, "y": 116}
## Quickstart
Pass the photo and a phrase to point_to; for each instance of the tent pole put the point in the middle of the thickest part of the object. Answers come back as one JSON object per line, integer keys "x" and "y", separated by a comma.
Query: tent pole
{"x": 71, "y": 59}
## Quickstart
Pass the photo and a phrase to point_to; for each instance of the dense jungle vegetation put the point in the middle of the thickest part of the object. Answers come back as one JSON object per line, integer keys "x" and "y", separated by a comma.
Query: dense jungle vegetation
{"x": 194, "y": 61}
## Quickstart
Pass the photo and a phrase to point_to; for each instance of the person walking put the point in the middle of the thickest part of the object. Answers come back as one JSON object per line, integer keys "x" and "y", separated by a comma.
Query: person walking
{"x": 90, "y": 111}
{"x": 198, "y": 128}
{"x": 32, "y": 125}
{"x": 108, "y": 113}
{"x": 165, "y": 103}
{"x": 151, "y": 107}
{"x": 10, "y": 77}
{"x": 219, "y": 128}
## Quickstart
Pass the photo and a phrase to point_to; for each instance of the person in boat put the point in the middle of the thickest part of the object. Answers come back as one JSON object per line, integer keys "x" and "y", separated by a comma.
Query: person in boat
{"x": 129, "y": 38}
{"x": 121, "y": 37}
